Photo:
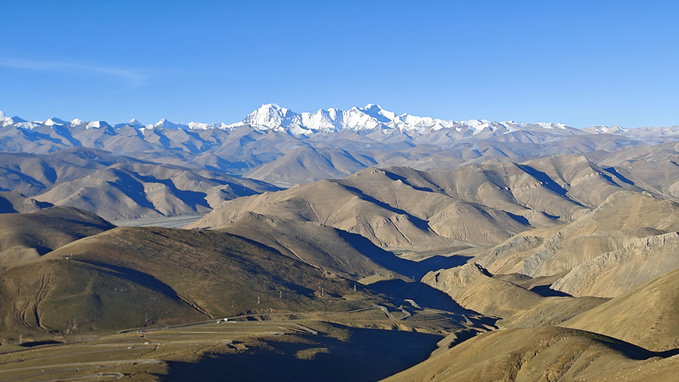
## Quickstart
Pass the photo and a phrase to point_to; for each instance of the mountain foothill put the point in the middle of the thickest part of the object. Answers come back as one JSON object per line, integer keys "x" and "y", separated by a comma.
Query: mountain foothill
{"x": 550, "y": 252}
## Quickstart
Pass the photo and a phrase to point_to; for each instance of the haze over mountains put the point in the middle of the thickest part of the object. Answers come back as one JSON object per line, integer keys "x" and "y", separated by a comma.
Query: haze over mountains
{"x": 567, "y": 237}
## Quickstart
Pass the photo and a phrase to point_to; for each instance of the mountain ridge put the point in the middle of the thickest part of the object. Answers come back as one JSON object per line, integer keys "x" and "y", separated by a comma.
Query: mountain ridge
{"x": 277, "y": 118}
{"x": 281, "y": 119}
{"x": 327, "y": 144}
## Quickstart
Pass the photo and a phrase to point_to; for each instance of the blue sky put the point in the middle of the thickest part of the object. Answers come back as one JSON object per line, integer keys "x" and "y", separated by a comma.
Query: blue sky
{"x": 577, "y": 62}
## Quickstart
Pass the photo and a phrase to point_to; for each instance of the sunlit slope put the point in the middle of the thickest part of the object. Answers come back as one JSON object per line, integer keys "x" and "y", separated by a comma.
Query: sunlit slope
{"x": 115, "y": 186}
{"x": 128, "y": 191}
{"x": 473, "y": 287}
{"x": 543, "y": 354}
{"x": 328, "y": 248}
{"x": 382, "y": 206}
{"x": 647, "y": 315}
{"x": 307, "y": 164}
{"x": 561, "y": 187}
{"x": 628, "y": 239}
{"x": 478, "y": 204}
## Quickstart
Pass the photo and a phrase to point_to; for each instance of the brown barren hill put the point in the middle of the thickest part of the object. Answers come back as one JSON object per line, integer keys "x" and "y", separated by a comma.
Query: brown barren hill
{"x": 628, "y": 239}
{"x": 473, "y": 287}
{"x": 25, "y": 237}
{"x": 124, "y": 277}
{"x": 647, "y": 315}
{"x": 543, "y": 354}
{"x": 380, "y": 206}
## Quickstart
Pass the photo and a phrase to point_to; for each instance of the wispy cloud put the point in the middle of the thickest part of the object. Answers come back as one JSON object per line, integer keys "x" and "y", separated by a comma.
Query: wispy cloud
{"x": 130, "y": 77}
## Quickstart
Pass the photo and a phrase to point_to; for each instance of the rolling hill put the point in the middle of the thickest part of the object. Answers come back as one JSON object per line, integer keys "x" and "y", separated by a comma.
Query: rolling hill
{"x": 117, "y": 187}
{"x": 561, "y": 242}
{"x": 331, "y": 249}
{"x": 647, "y": 315}
{"x": 479, "y": 204}
{"x": 26, "y": 237}
{"x": 625, "y": 241}
{"x": 409, "y": 221}
{"x": 307, "y": 164}
{"x": 15, "y": 202}
{"x": 129, "y": 277}
{"x": 474, "y": 288}
{"x": 545, "y": 353}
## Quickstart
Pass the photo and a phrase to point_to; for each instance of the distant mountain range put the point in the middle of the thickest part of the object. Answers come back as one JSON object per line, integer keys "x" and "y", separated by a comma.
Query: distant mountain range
{"x": 279, "y": 146}
{"x": 280, "y": 119}
{"x": 371, "y": 117}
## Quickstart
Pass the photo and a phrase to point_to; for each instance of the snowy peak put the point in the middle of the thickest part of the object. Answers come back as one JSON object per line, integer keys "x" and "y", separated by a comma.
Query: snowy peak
{"x": 55, "y": 122}
{"x": 97, "y": 125}
{"x": 18, "y": 122}
{"x": 272, "y": 117}
{"x": 374, "y": 117}
{"x": 279, "y": 119}
{"x": 132, "y": 123}
{"x": 368, "y": 120}
{"x": 200, "y": 126}
{"x": 605, "y": 129}
{"x": 165, "y": 124}
{"x": 376, "y": 111}
{"x": 206, "y": 126}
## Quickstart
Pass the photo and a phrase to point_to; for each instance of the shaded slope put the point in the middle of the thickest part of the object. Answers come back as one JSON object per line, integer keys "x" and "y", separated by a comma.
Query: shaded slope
{"x": 333, "y": 250}
{"x": 25, "y": 237}
{"x": 474, "y": 288}
{"x": 15, "y": 202}
{"x": 208, "y": 274}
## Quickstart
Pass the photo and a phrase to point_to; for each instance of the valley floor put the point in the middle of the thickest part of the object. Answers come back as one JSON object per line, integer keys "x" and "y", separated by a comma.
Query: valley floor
{"x": 165, "y": 222}
{"x": 358, "y": 346}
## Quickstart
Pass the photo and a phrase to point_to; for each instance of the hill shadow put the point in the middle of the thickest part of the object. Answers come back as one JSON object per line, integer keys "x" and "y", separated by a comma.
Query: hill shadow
{"x": 548, "y": 182}
{"x": 137, "y": 277}
{"x": 6, "y": 206}
{"x": 192, "y": 199}
{"x": 618, "y": 175}
{"x": 66, "y": 133}
{"x": 365, "y": 355}
{"x": 131, "y": 187}
{"x": 417, "y": 222}
{"x": 408, "y": 268}
{"x": 405, "y": 181}
{"x": 462, "y": 336}
{"x": 546, "y": 291}
{"x": 518, "y": 218}
{"x": 424, "y": 295}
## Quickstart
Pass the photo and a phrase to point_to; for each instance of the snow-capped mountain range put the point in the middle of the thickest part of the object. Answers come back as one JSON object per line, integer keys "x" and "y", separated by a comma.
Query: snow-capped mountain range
{"x": 279, "y": 119}
{"x": 278, "y": 145}
{"x": 371, "y": 117}
{"x": 370, "y": 126}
